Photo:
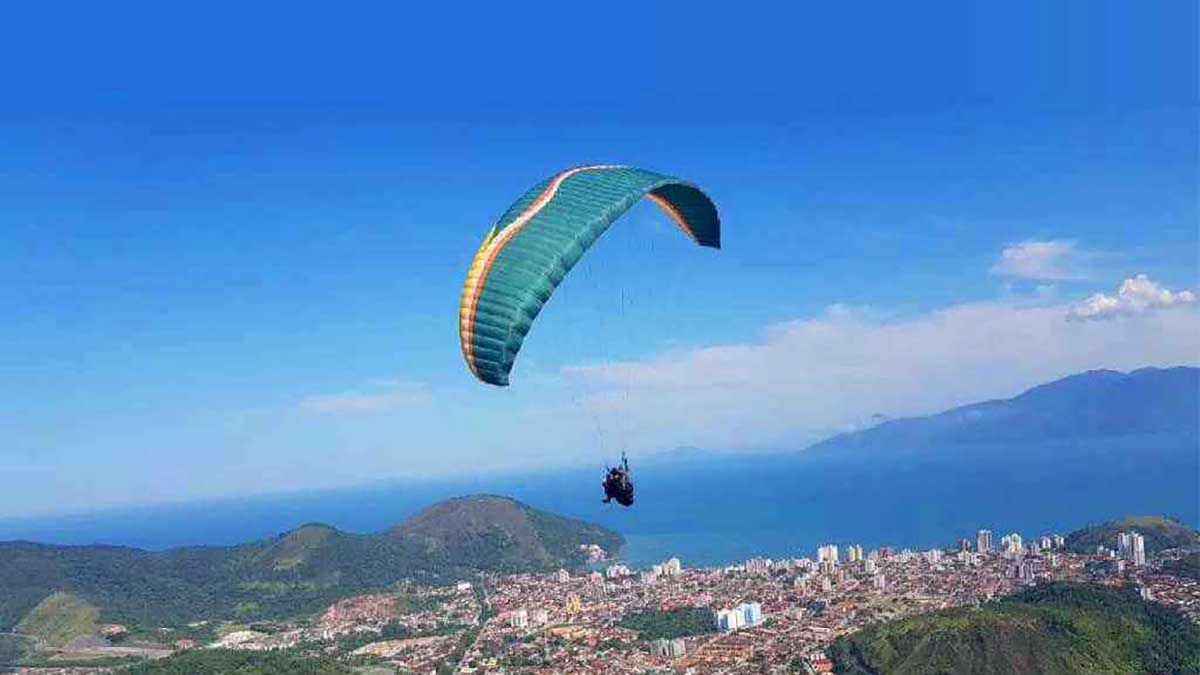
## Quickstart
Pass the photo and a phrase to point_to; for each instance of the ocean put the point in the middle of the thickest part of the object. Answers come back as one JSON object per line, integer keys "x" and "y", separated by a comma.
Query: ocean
{"x": 723, "y": 511}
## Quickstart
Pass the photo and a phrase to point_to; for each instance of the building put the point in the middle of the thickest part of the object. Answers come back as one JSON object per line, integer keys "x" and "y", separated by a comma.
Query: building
{"x": 933, "y": 556}
{"x": 869, "y": 566}
{"x": 616, "y": 571}
{"x": 669, "y": 648}
{"x": 672, "y": 567}
{"x": 728, "y": 620}
{"x": 562, "y": 576}
{"x": 573, "y": 604}
{"x": 879, "y": 582}
{"x": 828, "y": 553}
{"x": 1012, "y": 544}
{"x": 751, "y": 613}
{"x": 983, "y": 542}
{"x": 518, "y": 618}
{"x": 1131, "y": 546}
{"x": 745, "y": 615}
{"x": 759, "y": 566}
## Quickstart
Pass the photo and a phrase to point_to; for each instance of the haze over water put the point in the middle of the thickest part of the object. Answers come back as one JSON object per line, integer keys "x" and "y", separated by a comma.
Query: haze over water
{"x": 724, "y": 511}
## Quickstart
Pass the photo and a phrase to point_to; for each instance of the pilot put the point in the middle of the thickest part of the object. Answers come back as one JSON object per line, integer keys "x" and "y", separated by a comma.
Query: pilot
{"x": 618, "y": 485}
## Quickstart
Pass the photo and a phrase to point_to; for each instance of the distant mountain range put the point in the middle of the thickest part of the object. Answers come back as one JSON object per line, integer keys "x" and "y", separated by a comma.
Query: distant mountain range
{"x": 1095, "y": 404}
{"x": 294, "y": 573}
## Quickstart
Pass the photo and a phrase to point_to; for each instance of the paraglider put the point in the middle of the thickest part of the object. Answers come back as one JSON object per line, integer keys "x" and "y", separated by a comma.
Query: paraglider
{"x": 618, "y": 484}
{"x": 539, "y": 239}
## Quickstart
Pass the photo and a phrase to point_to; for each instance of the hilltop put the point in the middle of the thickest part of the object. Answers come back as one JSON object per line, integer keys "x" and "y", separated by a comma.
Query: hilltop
{"x": 1155, "y": 402}
{"x": 502, "y": 534}
{"x": 1160, "y": 533}
{"x": 297, "y": 572}
{"x": 1059, "y": 629}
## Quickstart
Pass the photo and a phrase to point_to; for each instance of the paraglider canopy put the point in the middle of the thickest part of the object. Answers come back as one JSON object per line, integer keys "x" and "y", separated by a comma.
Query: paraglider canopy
{"x": 539, "y": 239}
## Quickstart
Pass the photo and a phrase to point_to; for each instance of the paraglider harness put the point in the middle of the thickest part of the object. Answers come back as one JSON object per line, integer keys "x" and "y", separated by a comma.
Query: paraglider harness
{"x": 618, "y": 485}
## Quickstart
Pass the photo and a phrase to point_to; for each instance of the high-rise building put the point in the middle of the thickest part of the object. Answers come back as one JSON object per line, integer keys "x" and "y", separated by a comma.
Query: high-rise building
{"x": 828, "y": 552}
{"x": 562, "y": 576}
{"x": 1131, "y": 546}
{"x": 616, "y": 571}
{"x": 869, "y": 566}
{"x": 1013, "y": 546}
{"x": 964, "y": 544}
{"x": 751, "y": 613}
{"x": 879, "y": 582}
{"x": 672, "y": 567}
{"x": 729, "y": 620}
{"x": 668, "y": 648}
{"x": 983, "y": 542}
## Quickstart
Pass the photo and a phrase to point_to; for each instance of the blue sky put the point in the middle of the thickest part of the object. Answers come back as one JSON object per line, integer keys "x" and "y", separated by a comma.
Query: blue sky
{"x": 234, "y": 238}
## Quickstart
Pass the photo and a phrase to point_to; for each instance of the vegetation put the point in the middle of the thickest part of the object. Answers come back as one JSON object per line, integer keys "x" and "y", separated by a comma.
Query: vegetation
{"x": 12, "y": 649}
{"x": 1064, "y": 629}
{"x": 58, "y": 619}
{"x": 1188, "y": 566}
{"x": 654, "y": 624}
{"x": 231, "y": 662}
{"x": 299, "y": 572}
{"x": 1160, "y": 533}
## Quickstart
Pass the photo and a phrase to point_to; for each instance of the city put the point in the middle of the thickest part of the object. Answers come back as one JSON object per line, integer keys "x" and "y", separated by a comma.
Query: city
{"x": 762, "y": 616}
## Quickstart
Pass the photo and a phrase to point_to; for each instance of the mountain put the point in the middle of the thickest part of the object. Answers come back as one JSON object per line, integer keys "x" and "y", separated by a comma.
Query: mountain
{"x": 1095, "y": 404}
{"x": 1055, "y": 629}
{"x": 297, "y": 572}
{"x": 1159, "y": 532}
{"x": 501, "y": 533}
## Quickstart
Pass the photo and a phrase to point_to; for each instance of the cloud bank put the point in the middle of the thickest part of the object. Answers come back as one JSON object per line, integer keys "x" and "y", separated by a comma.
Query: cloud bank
{"x": 807, "y": 379}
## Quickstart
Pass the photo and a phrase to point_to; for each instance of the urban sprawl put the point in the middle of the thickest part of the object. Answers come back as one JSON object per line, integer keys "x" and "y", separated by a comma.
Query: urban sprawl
{"x": 774, "y": 616}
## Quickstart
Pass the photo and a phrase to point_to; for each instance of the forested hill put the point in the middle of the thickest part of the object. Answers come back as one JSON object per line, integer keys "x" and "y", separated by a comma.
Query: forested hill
{"x": 1160, "y": 533}
{"x": 296, "y": 572}
{"x": 1059, "y": 629}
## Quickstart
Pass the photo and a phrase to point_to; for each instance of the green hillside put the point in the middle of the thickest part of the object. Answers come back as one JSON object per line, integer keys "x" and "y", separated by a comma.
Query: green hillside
{"x": 227, "y": 662}
{"x": 1055, "y": 629}
{"x": 58, "y": 619}
{"x": 296, "y": 573}
{"x": 1160, "y": 533}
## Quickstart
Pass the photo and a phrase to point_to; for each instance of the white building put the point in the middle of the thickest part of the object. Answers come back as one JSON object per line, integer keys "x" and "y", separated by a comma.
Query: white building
{"x": 672, "y": 567}
{"x": 828, "y": 553}
{"x": 983, "y": 542}
{"x": 616, "y": 571}
{"x": 1131, "y": 546}
{"x": 518, "y": 618}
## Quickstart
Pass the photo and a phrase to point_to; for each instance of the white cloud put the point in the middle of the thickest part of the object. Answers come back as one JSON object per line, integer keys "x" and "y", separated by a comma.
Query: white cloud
{"x": 1052, "y": 260}
{"x": 1135, "y": 296}
{"x": 809, "y": 378}
{"x": 385, "y": 395}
